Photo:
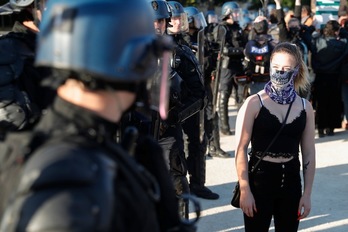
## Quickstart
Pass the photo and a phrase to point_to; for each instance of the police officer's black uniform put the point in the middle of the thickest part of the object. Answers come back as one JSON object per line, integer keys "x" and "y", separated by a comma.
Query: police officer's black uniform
{"x": 69, "y": 138}
{"x": 231, "y": 66}
{"x": 184, "y": 117}
{"x": 211, "y": 118}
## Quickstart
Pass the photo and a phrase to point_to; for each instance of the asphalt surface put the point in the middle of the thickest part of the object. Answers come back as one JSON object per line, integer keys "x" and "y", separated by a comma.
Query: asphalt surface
{"x": 329, "y": 197}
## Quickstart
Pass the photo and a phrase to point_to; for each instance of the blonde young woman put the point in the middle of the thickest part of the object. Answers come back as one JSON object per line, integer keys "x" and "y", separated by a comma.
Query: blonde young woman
{"x": 274, "y": 189}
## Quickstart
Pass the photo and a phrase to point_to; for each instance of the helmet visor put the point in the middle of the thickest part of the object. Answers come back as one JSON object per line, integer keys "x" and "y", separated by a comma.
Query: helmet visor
{"x": 213, "y": 18}
{"x": 178, "y": 24}
{"x": 235, "y": 14}
{"x": 199, "y": 21}
{"x": 158, "y": 86}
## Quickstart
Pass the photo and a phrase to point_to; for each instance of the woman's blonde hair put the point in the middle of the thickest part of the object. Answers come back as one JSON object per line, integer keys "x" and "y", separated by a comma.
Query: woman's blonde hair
{"x": 301, "y": 81}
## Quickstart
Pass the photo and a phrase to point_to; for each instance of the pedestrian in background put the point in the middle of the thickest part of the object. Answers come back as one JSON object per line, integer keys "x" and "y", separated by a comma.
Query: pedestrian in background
{"x": 329, "y": 50}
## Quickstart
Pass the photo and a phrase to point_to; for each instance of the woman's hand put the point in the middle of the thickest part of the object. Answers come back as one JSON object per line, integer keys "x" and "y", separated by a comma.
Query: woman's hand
{"x": 247, "y": 203}
{"x": 304, "y": 207}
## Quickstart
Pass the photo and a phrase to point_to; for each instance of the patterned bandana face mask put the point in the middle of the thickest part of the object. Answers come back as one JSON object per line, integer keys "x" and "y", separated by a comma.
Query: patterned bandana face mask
{"x": 281, "y": 87}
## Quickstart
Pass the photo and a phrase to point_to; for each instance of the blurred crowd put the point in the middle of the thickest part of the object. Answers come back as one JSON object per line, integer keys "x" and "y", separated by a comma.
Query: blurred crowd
{"x": 323, "y": 45}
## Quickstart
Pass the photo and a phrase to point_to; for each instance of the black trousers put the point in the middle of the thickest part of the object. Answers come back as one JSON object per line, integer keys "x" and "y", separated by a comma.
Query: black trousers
{"x": 196, "y": 149}
{"x": 329, "y": 107}
{"x": 277, "y": 191}
{"x": 227, "y": 82}
{"x": 172, "y": 144}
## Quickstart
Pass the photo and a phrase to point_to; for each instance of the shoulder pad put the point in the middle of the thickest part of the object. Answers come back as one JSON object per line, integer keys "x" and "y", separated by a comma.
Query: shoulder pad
{"x": 55, "y": 164}
{"x": 71, "y": 184}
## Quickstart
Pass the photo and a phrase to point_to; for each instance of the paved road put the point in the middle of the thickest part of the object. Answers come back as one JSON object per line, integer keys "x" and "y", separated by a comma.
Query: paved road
{"x": 329, "y": 197}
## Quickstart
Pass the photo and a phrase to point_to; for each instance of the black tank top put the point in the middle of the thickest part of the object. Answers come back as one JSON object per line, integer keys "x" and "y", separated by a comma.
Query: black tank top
{"x": 265, "y": 127}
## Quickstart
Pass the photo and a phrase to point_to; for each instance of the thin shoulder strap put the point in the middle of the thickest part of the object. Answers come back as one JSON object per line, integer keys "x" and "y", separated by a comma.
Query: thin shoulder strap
{"x": 261, "y": 101}
{"x": 304, "y": 103}
{"x": 273, "y": 140}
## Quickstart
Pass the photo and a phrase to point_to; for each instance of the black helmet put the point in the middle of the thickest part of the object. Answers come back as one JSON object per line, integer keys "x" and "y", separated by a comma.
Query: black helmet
{"x": 160, "y": 8}
{"x": 99, "y": 38}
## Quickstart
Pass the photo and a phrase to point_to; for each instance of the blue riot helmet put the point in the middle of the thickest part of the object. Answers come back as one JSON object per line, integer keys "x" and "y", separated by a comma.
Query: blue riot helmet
{"x": 160, "y": 8}
{"x": 191, "y": 11}
{"x": 89, "y": 39}
{"x": 195, "y": 17}
{"x": 178, "y": 20}
{"x": 162, "y": 15}
{"x": 230, "y": 9}
{"x": 211, "y": 17}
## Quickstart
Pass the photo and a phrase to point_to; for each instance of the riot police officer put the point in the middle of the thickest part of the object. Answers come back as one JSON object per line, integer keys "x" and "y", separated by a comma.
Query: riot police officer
{"x": 21, "y": 98}
{"x": 191, "y": 102}
{"x": 194, "y": 127}
{"x": 145, "y": 118}
{"x": 231, "y": 58}
{"x": 211, "y": 120}
{"x": 161, "y": 11}
{"x": 73, "y": 176}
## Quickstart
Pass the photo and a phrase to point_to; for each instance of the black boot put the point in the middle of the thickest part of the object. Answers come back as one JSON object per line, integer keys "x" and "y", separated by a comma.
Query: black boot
{"x": 217, "y": 152}
{"x": 329, "y": 131}
{"x": 214, "y": 145}
{"x": 182, "y": 187}
{"x": 223, "y": 114}
{"x": 196, "y": 168}
{"x": 203, "y": 192}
